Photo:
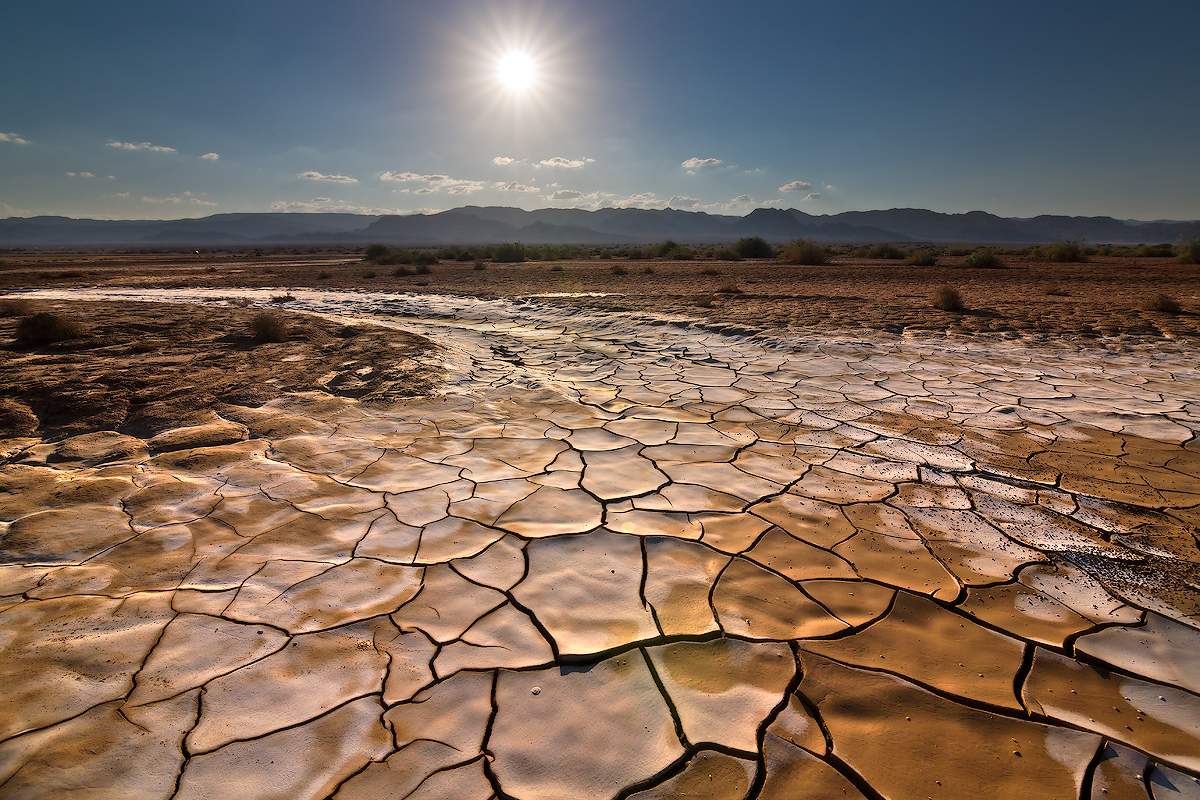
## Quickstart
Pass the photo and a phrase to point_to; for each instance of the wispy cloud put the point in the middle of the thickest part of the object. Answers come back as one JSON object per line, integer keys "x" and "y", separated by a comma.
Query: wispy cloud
{"x": 313, "y": 175}
{"x": 82, "y": 174}
{"x": 573, "y": 198}
{"x": 513, "y": 186}
{"x": 211, "y": 157}
{"x": 680, "y": 201}
{"x": 428, "y": 184}
{"x": 13, "y": 138}
{"x": 183, "y": 198}
{"x": 149, "y": 147}
{"x": 696, "y": 163}
{"x": 504, "y": 161}
{"x": 329, "y": 205}
{"x": 558, "y": 162}
{"x": 796, "y": 186}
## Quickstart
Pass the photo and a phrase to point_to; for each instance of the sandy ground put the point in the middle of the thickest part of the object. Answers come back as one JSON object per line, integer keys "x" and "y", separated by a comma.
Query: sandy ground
{"x": 1104, "y": 298}
{"x": 609, "y": 554}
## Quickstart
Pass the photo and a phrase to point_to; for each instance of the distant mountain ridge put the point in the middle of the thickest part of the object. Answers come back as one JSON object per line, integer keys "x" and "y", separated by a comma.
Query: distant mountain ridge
{"x": 495, "y": 224}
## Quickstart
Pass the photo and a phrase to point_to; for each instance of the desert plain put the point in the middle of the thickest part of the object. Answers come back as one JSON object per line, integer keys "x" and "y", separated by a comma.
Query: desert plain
{"x": 599, "y": 529}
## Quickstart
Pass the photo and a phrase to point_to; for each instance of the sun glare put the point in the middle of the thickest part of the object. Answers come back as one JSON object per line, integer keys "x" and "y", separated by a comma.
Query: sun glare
{"x": 517, "y": 72}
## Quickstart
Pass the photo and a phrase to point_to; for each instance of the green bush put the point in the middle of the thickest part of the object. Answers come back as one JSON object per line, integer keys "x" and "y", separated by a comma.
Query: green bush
{"x": 1158, "y": 251}
{"x": 754, "y": 247}
{"x": 375, "y": 252}
{"x": 1189, "y": 252}
{"x": 888, "y": 251}
{"x": 511, "y": 253}
{"x": 727, "y": 254}
{"x": 1064, "y": 253}
{"x": 805, "y": 252}
{"x": 983, "y": 259}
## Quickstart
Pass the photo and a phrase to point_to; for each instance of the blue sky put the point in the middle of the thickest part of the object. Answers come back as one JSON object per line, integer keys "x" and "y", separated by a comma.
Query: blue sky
{"x": 109, "y": 109}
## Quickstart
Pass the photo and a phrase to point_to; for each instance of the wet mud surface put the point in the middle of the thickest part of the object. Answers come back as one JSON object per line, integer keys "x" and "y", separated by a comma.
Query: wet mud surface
{"x": 615, "y": 555}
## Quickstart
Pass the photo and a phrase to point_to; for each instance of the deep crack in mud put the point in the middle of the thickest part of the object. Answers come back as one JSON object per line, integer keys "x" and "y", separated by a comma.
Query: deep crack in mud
{"x": 619, "y": 557}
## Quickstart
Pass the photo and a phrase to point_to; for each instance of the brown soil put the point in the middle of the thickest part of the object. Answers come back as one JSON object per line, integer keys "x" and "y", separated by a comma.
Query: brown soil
{"x": 141, "y": 368}
{"x": 1105, "y": 297}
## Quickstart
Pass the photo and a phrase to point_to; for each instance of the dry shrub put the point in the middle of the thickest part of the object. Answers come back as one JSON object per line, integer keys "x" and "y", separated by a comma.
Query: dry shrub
{"x": 805, "y": 252}
{"x": 268, "y": 326}
{"x": 983, "y": 259}
{"x": 729, "y": 287}
{"x": 556, "y": 268}
{"x": 922, "y": 258}
{"x": 649, "y": 270}
{"x": 15, "y": 307}
{"x": 282, "y": 298}
{"x": 1164, "y": 304}
{"x": 1189, "y": 252}
{"x": 45, "y": 327}
{"x": 617, "y": 269}
{"x": 479, "y": 265}
{"x": 947, "y": 298}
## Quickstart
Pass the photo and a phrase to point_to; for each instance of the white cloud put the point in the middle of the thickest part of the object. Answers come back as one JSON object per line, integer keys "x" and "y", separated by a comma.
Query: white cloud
{"x": 558, "y": 162}
{"x": 696, "y": 163}
{"x": 503, "y": 161}
{"x": 122, "y": 195}
{"x": 513, "y": 186}
{"x": 13, "y": 138}
{"x": 211, "y": 157}
{"x": 795, "y": 186}
{"x": 183, "y": 198}
{"x": 329, "y": 205}
{"x": 640, "y": 200}
{"x": 679, "y": 201}
{"x": 147, "y": 146}
{"x": 428, "y": 184}
{"x": 313, "y": 175}
{"x": 566, "y": 194}
{"x": 83, "y": 174}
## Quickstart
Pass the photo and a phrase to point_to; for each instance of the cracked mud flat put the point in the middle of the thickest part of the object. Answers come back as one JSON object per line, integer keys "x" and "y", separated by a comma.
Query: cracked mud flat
{"x": 620, "y": 557}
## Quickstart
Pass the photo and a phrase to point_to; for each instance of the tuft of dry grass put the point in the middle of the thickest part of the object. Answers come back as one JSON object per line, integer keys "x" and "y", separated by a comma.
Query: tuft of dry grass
{"x": 267, "y": 326}
{"x": 1164, "y": 304}
{"x": 479, "y": 266}
{"x": 15, "y": 307}
{"x": 729, "y": 287}
{"x": 556, "y": 268}
{"x": 947, "y": 298}
{"x": 805, "y": 252}
{"x": 617, "y": 269}
{"x": 45, "y": 327}
{"x": 649, "y": 270}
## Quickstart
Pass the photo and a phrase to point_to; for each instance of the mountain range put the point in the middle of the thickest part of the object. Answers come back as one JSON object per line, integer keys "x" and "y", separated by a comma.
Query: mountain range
{"x": 495, "y": 224}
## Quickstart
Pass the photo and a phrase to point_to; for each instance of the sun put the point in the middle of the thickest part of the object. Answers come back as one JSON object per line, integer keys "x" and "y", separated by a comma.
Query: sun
{"x": 517, "y": 72}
